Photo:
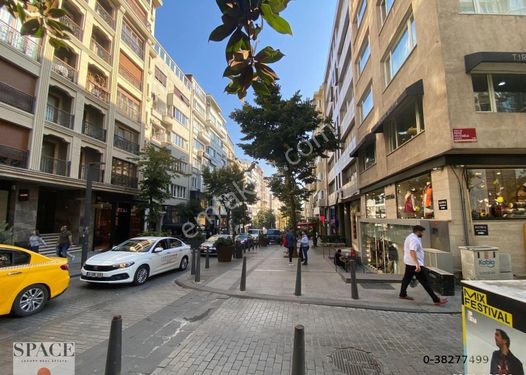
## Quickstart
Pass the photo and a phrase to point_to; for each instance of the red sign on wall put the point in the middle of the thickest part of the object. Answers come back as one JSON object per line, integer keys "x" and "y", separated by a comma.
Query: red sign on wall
{"x": 464, "y": 135}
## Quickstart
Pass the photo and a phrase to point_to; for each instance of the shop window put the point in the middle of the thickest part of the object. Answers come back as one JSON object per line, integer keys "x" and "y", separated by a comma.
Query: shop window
{"x": 497, "y": 193}
{"x": 375, "y": 204}
{"x": 405, "y": 124}
{"x": 499, "y": 92}
{"x": 369, "y": 156}
{"x": 414, "y": 198}
{"x": 512, "y": 7}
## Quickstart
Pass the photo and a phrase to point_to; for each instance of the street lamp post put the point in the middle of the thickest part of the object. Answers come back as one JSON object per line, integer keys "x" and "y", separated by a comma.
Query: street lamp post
{"x": 87, "y": 210}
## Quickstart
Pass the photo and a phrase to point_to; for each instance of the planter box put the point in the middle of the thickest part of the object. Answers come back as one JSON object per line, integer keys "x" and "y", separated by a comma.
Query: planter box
{"x": 224, "y": 253}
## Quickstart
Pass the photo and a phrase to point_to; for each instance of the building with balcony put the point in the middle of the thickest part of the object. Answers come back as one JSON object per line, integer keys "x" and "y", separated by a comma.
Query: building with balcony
{"x": 428, "y": 98}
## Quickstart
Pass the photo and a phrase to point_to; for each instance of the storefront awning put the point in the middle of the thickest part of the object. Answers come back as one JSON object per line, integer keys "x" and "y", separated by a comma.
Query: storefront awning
{"x": 473, "y": 60}
{"x": 416, "y": 89}
{"x": 365, "y": 141}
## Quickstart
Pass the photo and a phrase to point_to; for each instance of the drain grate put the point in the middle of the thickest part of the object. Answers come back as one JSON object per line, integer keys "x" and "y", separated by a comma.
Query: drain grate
{"x": 377, "y": 286}
{"x": 353, "y": 361}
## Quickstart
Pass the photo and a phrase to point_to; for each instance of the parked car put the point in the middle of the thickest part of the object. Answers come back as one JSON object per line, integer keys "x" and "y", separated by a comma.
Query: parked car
{"x": 135, "y": 260}
{"x": 254, "y": 233}
{"x": 29, "y": 280}
{"x": 209, "y": 244}
{"x": 274, "y": 236}
{"x": 245, "y": 240}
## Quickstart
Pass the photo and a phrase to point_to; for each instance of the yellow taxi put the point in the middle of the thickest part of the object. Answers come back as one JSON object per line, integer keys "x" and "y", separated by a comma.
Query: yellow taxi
{"x": 29, "y": 280}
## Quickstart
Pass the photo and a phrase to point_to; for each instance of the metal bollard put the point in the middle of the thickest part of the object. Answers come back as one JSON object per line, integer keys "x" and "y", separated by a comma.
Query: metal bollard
{"x": 198, "y": 268}
{"x": 298, "y": 353}
{"x": 354, "y": 286}
{"x": 297, "y": 292}
{"x": 207, "y": 261}
{"x": 192, "y": 269}
{"x": 243, "y": 284}
{"x": 114, "y": 356}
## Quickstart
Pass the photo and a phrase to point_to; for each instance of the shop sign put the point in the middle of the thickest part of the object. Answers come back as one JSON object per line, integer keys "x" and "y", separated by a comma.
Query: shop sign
{"x": 442, "y": 204}
{"x": 481, "y": 229}
{"x": 23, "y": 195}
{"x": 461, "y": 135}
{"x": 57, "y": 358}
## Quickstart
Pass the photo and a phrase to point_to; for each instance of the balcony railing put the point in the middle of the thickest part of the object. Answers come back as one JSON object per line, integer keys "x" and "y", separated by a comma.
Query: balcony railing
{"x": 13, "y": 157}
{"x": 58, "y": 116}
{"x": 12, "y": 37}
{"x": 102, "y": 52}
{"x": 130, "y": 77}
{"x": 98, "y": 91}
{"x": 64, "y": 70}
{"x": 123, "y": 180}
{"x": 126, "y": 145}
{"x": 97, "y": 173}
{"x": 76, "y": 29}
{"x": 133, "y": 44}
{"x": 138, "y": 12}
{"x": 16, "y": 98}
{"x": 94, "y": 131}
{"x": 54, "y": 166}
{"x": 108, "y": 18}
{"x": 159, "y": 137}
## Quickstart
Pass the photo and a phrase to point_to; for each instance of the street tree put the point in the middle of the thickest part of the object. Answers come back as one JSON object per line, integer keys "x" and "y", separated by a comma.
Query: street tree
{"x": 240, "y": 216}
{"x": 158, "y": 167}
{"x": 299, "y": 135}
{"x": 265, "y": 219}
{"x": 228, "y": 185}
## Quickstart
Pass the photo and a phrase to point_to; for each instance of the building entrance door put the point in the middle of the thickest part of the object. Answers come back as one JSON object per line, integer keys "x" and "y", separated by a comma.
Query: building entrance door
{"x": 47, "y": 205}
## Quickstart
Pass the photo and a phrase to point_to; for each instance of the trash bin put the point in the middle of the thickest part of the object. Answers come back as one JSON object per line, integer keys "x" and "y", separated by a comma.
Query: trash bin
{"x": 238, "y": 253}
{"x": 480, "y": 262}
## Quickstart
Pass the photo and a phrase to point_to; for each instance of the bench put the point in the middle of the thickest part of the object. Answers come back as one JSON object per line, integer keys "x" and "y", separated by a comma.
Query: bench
{"x": 442, "y": 281}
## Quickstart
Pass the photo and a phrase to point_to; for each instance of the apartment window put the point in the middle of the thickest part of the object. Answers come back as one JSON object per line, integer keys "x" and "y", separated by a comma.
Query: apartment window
{"x": 178, "y": 191}
{"x": 375, "y": 204}
{"x": 499, "y": 92}
{"x": 405, "y": 124}
{"x": 385, "y": 8}
{"x": 198, "y": 145}
{"x": 181, "y": 118}
{"x": 361, "y": 13}
{"x": 160, "y": 76}
{"x": 403, "y": 46}
{"x": 194, "y": 182}
{"x": 178, "y": 141}
{"x": 511, "y": 7}
{"x": 366, "y": 104}
{"x": 180, "y": 166}
{"x": 369, "y": 156}
{"x": 133, "y": 40}
{"x": 365, "y": 53}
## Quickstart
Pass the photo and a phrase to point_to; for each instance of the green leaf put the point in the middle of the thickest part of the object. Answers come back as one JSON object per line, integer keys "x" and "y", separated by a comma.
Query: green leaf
{"x": 59, "y": 26}
{"x": 266, "y": 74}
{"x": 238, "y": 41}
{"x": 56, "y": 13}
{"x": 275, "y": 21}
{"x": 260, "y": 88}
{"x": 21, "y": 12}
{"x": 221, "y": 32}
{"x": 235, "y": 68}
{"x": 277, "y": 5}
{"x": 269, "y": 55}
{"x": 58, "y": 43}
{"x": 222, "y": 5}
{"x": 233, "y": 86}
{"x": 30, "y": 27}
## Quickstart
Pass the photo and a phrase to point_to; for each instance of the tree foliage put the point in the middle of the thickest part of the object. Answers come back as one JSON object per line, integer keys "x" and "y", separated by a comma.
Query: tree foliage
{"x": 240, "y": 215}
{"x": 189, "y": 210}
{"x": 299, "y": 136}
{"x": 265, "y": 219}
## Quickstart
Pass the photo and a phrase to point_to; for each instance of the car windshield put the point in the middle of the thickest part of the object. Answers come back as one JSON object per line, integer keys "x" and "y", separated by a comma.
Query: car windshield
{"x": 134, "y": 246}
{"x": 216, "y": 237}
{"x": 253, "y": 231}
{"x": 273, "y": 231}
{"x": 244, "y": 235}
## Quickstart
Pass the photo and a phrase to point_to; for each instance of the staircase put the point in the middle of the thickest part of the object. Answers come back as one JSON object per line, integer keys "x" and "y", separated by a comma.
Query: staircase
{"x": 51, "y": 239}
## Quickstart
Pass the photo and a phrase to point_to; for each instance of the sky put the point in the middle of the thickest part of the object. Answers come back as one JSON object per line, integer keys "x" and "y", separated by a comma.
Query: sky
{"x": 183, "y": 27}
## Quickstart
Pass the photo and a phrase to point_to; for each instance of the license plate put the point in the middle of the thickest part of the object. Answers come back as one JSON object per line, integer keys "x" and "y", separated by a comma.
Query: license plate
{"x": 94, "y": 274}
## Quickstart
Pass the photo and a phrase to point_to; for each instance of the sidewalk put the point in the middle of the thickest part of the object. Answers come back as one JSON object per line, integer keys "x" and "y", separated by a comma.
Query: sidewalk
{"x": 270, "y": 277}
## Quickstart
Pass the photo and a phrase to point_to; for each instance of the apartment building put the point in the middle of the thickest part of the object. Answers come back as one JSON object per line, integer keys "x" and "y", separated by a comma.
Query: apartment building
{"x": 64, "y": 110}
{"x": 429, "y": 99}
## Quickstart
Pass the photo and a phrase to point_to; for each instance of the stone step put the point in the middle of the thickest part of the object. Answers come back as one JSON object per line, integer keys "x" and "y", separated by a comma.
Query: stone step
{"x": 52, "y": 251}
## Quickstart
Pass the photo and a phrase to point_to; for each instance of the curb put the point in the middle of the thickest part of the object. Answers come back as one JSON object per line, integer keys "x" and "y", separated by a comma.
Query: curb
{"x": 310, "y": 301}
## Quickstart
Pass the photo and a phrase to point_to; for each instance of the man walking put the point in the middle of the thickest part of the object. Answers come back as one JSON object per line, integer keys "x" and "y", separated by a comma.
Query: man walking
{"x": 291, "y": 242}
{"x": 64, "y": 242}
{"x": 414, "y": 265}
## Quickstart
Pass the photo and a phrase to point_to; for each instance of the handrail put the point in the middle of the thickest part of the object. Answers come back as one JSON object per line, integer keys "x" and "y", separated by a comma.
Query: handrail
{"x": 75, "y": 27}
{"x": 13, "y": 157}
{"x": 59, "y": 116}
{"x": 98, "y": 91}
{"x": 105, "y": 15}
{"x": 102, "y": 52}
{"x": 16, "y": 98}
{"x": 94, "y": 131}
{"x": 126, "y": 74}
{"x": 54, "y": 166}
{"x": 22, "y": 43}
{"x": 65, "y": 70}
{"x": 126, "y": 145}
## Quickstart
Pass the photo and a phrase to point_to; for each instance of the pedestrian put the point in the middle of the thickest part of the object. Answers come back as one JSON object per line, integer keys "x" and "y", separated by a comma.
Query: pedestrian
{"x": 64, "y": 242}
{"x": 291, "y": 241}
{"x": 414, "y": 265}
{"x": 304, "y": 247}
{"x": 315, "y": 239}
{"x": 35, "y": 241}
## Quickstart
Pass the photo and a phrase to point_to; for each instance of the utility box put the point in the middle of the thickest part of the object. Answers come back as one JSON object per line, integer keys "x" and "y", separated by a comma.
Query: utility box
{"x": 506, "y": 272}
{"x": 480, "y": 262}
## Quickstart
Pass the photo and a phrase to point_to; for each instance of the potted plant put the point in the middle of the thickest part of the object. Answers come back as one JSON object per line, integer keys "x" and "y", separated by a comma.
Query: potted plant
{"x": 225, "y": 249}
{"x": 263, "y": 240}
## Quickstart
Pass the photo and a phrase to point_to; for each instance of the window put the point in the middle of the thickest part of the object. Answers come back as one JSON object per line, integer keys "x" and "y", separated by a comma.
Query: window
{"x": 414, "y": 198}
{"x": 178, "y": 191}
{"x": 361, "y": 13}
{"x": 369, "y": 156}
{"x": 375, "y": 204}
{"x": 366, "y": 104}
{"x": 160, "y": 76}
{"x": 10, "y": 258}
{"x": 385, "y": 8}
{"x": 499, "y": 92}
{"x": 403, "y": 46}
{"x": 178, "y": 141}
{"x": 174, "y": 243}
{"x": 511, "y": 7}
{"x": 133, "y": 40}
{"x": 194, "y": 182}
{"x": 497, "y": 193}
{"x": 405, "y": 123}
{"x": 365, "y": 53}
{"x": 180, "y": 166}
{"x": 199, "y": 108}
{"x": 181, "y": 118}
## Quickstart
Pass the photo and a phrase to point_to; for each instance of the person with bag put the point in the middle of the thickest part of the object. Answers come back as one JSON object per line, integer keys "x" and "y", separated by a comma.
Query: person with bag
{"x": 304, "y": 247}
{"x": 291, "y": 242}
{"x": 64, "y": 242}
{"x": 35, "y": 241}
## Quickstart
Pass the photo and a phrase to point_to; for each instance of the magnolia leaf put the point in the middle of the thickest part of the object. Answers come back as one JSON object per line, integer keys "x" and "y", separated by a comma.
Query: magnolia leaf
{"x": 235, "y": 68}
{"x": 277, "y": 5}
{"x": 238, "y": 41}
{"x": 269, "y": 55}
{"x": 222, "y": 5}
{"x": 56, "y": 13}
{"x": 221, "y": 32}
{"x": 275, "y": 21}
{"x": 266, "y": 74}
{"x": 58, "y": 43}
{"x": 30, "y": 27}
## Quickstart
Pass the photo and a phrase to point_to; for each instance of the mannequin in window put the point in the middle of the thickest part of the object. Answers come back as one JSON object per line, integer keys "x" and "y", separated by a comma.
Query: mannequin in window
{"x": 428, "y": 200}
{"x": 521, "y": 193}
{"x": 409, "y": 205}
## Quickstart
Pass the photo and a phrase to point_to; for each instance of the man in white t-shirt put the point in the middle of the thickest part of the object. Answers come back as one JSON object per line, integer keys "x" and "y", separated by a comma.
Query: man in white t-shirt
{"x": 414, "y": 265}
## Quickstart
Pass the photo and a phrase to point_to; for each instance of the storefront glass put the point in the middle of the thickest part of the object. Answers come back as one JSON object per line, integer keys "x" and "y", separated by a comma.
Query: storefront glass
{"x": 375, "y": 202}
{"x": 497, "y": 193}
{"x": 414, "y": 198}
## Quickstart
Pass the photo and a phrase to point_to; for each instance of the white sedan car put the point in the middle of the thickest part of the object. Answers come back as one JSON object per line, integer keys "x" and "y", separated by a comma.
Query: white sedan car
{"x": 136, "y": 259}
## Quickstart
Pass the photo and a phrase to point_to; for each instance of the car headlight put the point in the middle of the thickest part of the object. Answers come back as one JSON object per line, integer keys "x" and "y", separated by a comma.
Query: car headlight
{"x": 123, "y": 265}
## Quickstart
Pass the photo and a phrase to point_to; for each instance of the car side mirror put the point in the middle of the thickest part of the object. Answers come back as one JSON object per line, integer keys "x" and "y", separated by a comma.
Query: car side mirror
{"x": 158, "y": 249}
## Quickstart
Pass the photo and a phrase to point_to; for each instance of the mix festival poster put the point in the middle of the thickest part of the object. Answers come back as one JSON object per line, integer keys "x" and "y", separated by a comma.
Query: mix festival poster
{"x": 494, "y": 327}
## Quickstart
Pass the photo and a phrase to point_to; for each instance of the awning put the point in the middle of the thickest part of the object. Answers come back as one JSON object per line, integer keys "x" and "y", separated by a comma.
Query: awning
{"x": 369, "y": 138}
{"x": 416, "y": 89}
{"x": 471, "y": 61}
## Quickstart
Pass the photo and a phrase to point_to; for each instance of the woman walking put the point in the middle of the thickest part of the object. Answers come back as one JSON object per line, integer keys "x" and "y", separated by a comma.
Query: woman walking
{"x": 35, "y": 241}
{"x": 304, "y": 247}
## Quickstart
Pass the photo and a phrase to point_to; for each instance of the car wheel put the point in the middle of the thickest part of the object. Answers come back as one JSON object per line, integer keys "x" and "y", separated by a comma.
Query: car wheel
{"x": 184, "y": 264}
{"x": 30, "y": 300}
{"x": 141, "y": 275}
